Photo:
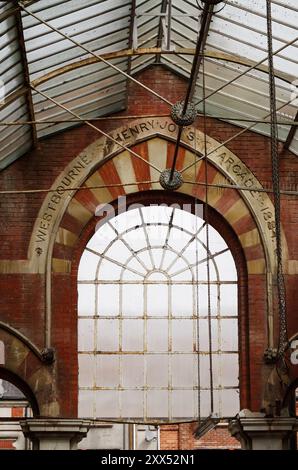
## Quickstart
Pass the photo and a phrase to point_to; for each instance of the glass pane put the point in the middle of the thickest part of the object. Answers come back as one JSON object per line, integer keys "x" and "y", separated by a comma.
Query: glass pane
{"x": 188, "y": 221}
{"x": 136, "y": 239}
{"x": 183, "y": 276}
{"x": 193, "y": 252}
{"x": 182, "y": 403}
{"x": 225, "y": 370}
{"x": 108, "y": 300}
{"x": 229, "y": 370}
{"x": 132, "y": 335}
{"x": 157, "y": 335}
{"x": 204, "y": 335}
{"x": 157, "y": 254}
{"x": 107, "y": 404}
{"x": 88, "y": 265}
{"x": 157, "y": 234}
{"x": 86, "y": 370}
{"x": 203, "y": 300}
{"x": 183, "y": 335}
{"x": 145, "y": 258}
{"x": 205, "y": 403}
{"x": 132, "y": 371}
{"x": 157, "y": 276}
{"x": 133, "y": 300}
{"x": 157, "y": 404}
{"x": 169, "y": 257}
{"x": 132, "y": 403}
{"x": 86, "y": 299}
{"x": 126, "y": 220}
{"x": 101, "y": 239}
{"x": 182, "y": 300}
{"x": 107, "y": 371}
{"x": 230, "y": 403}
{"x": 155, "y": 214}
{"x": 135, "y": 265}
{"x": 226, "y": 267}
{"x": 216, "y": 242}
{"x": 204, "y": 367}
{"x": 109, "y": 271}
{"x": 216, "y": 370}
{"x": 201, "y": 272}
{"x": 85, "y": 335}
{"x": 178, "y": 239}
{"x": 157, "y": 300}
{"x": 183, "y": 370}
{"x": 228, "y": 300}
{"x": 202, "y": 237}
{"x": 118, "y": 252}
{"x": 179, "y": 265}
{"x": 229, "y": 334}
{"x": 108, "y": 335}
{"x": 86, "y": 406}
{"x": 128, "y": 275}
{"x": 157, "y": 370}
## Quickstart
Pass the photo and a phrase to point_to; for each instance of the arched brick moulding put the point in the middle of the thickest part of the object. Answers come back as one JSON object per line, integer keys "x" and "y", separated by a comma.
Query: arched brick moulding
{"x": 76, "y": 209}
{"x": 25, "y": 370}
{"x": 234, "y": 213}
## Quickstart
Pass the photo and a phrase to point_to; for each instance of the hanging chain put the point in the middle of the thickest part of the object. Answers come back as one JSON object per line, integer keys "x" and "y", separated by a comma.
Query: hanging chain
{"x": 283, "y": 334}
{"x": 197, "y": 291}
{"x": 206, "y": 217}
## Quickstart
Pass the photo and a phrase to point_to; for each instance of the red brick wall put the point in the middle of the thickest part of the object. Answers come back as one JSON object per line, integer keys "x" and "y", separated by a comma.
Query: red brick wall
{"x": 6, "y": 444}
{"x": 22, "y": 296}
{"x": 218, "y": 438}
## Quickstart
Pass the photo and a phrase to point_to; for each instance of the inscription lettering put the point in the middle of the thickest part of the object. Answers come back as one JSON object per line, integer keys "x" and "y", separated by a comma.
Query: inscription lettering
{"x": 237, "y": 172}
{"x": 46, "y": 218}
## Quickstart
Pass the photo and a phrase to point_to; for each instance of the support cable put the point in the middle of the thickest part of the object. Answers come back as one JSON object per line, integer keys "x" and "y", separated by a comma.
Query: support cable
{"x": 95, "y": 128}
{"x": 133, "y": 183}
{"x": 247, "y": 128}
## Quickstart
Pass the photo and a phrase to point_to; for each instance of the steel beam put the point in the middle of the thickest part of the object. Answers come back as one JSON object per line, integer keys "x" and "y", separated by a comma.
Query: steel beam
{"x": 29, "y": 98}
{"x": 88, "y": 123}
{"x": 143, "y": 51}
{"x": 223, "y": 144}
{"x": 291, "y": 134}
{"x": 163, "y": 10}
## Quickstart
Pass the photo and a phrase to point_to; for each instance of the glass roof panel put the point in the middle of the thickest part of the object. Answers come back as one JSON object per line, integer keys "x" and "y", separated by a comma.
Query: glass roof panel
{"x": 238, "y": 29}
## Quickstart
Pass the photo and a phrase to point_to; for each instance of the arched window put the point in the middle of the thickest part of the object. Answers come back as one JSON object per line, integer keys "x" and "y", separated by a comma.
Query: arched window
{"x": 144, "y": 325}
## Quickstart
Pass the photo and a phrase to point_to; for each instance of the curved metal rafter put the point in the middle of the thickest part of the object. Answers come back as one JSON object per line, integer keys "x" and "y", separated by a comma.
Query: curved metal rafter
{"x": 137, "y": 52}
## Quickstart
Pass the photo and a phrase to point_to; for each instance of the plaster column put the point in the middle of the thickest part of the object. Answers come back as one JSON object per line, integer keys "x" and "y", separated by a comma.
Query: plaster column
{"x": 55, "y": 434}
{"x": 255, "y": 431}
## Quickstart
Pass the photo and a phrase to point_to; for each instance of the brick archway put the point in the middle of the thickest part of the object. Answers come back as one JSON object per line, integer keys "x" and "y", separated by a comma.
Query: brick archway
{"x": 227, "y": 203}
{"x": 56, "y": 235}
{"x": 22, "y": 366}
